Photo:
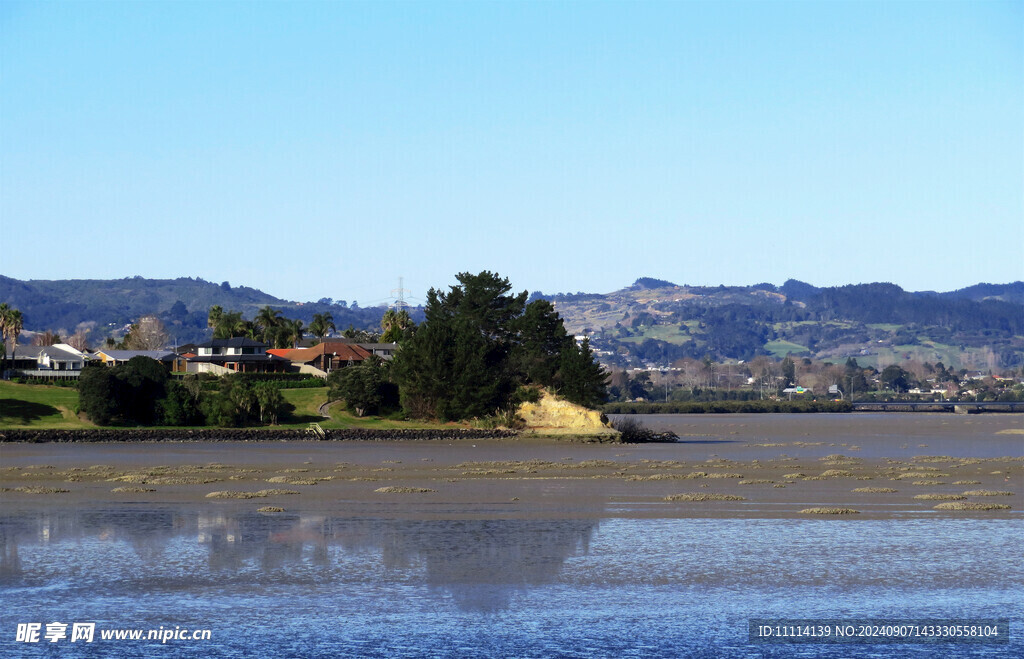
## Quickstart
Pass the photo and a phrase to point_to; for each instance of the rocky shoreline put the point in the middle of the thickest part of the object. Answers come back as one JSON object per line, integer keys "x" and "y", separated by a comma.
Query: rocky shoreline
{"x": 244, "y": 435}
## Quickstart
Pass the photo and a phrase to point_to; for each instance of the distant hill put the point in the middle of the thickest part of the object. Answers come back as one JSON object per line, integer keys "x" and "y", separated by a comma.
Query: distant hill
{"x": 106, "y": 306}
{"x": 644, "y": 283}
{"x": 657, "y": 323}
{"x": 651, "y": 322}
{"x": 1003, "y": 292}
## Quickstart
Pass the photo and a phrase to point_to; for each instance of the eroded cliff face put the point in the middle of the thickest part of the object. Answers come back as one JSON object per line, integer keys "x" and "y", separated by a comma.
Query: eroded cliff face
{"x": 554, "y": 416}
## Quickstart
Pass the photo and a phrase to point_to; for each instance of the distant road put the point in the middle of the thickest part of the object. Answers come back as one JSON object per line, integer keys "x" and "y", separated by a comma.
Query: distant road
{"x": 966, "y": 408}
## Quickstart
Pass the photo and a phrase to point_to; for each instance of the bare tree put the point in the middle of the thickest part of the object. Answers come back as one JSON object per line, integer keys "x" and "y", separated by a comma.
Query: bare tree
{"x": 765, "y": 372}
{"x": 47, "y": 338}
{"x": 147, "y": 334}
{"x": 833, "y": 375}
{"x": 78, "y": 341}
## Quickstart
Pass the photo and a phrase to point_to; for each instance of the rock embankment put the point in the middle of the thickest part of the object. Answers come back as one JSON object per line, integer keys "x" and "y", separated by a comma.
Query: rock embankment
{"x": 242, "y": 434}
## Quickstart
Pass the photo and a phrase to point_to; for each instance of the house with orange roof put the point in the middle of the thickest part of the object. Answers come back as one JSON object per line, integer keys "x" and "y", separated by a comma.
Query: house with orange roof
{"x": 324, "y": 357}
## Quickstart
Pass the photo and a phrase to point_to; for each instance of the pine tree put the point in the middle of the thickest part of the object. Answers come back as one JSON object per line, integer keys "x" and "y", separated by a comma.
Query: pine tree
{"x": 479, "y": 343}
{"x": 583, "y": 380}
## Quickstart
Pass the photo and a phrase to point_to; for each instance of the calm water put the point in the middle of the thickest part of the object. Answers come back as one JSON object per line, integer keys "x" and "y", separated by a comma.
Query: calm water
{"x": 323, "y": 586}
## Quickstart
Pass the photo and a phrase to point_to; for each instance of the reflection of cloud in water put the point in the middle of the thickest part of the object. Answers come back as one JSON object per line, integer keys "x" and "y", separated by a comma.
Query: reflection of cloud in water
{"x": 480, "y": 563}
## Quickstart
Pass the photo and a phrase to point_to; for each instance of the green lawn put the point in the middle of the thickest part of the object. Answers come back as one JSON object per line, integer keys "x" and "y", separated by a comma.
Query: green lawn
{"x": 307, "y": 404}
{"x": 41, "y": 406}
{"x": 667, "y": 333}
{"x": 928, "y": 351}
{"x": 780, "y": 348}
{"x": 38, "y": 406}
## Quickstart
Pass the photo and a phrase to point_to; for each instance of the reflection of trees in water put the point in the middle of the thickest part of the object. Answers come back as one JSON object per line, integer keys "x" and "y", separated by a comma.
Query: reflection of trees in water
{"x": 481, "y": 563}
{"x": 147, "y": 530}
{"x": 235, "y": 540}
{"x": 10, "y": 562}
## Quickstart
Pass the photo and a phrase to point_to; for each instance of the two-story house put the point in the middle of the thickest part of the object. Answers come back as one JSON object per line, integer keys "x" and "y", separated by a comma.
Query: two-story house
{"x": 236, "y": 355}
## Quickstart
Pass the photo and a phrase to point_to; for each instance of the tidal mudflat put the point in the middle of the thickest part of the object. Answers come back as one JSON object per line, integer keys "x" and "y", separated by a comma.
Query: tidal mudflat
{"x": 520, "y": 547}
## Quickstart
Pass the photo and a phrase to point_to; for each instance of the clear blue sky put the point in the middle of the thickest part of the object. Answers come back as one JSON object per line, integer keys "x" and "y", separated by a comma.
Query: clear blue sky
{"x": 324, "y": 149}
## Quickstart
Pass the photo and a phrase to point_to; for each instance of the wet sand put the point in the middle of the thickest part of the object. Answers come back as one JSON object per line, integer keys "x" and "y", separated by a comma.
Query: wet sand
{"x": 742, "y": 466}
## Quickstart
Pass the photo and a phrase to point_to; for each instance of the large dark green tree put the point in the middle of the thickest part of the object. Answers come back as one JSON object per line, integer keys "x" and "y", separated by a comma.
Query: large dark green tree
{"x": 581, "y": 378}
{"x": 479, "y": 342}
{"x": 895, "y": 378}
{"x": 456, "y": 366}
{"x": 541, "y": 340}
{"x": 182, "y": 406}
{"x": 129, "y": 393}
{"x": 365, "y": 388}
{"x": 97, "y": 394}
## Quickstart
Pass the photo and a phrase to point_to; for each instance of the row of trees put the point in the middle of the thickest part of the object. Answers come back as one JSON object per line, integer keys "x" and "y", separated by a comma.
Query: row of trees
{"x": 764, "y": 377}
{"x": 269, "y": 326}
{"x": 140, "y": 392}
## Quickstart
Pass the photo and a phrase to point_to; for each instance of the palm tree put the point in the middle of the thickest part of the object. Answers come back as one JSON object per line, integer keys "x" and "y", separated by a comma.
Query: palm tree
{"x": 4, "y": 310}
{"x": 12, "y": 324}
{"x": 266, "y": 320}
{"x": 278, "y": 337}
{"x": 229, "y": 324}
{"x": 388, "y": 321}
{"x": 213, "y": 317}
{"x": 321, "y": 325}
{"x": 295, "y": 332}
{"x": 394, "y": 323}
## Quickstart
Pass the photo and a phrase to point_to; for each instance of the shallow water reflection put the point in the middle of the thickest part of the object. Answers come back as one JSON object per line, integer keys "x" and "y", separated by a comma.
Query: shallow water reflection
{"x": 317, "y": 585}
{"x": 477, "y": 562}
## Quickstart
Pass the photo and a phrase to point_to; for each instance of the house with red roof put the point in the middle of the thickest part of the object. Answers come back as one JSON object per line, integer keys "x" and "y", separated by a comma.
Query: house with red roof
{"x": 324, "y": 357}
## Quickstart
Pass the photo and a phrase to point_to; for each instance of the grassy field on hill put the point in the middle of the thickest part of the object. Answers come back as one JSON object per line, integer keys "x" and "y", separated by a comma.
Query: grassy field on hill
{"x": 780, "y": 348}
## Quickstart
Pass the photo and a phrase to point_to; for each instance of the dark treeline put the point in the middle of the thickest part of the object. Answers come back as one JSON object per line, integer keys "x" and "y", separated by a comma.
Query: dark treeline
{"x": 888, "y": 303}
{"x": 729, "y": 407}
{"x": 141, "y": 393}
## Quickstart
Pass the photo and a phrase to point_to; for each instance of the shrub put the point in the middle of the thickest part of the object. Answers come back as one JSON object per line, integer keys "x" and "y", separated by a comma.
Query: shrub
{"x": 633, "y": 431}
{"x": 365, "y": 388}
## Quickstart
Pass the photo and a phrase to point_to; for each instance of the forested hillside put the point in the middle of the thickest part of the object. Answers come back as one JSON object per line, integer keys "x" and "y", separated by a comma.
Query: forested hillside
{"x": 656, "y": 323}
{"x": 106, "y": 307}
